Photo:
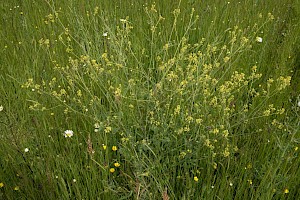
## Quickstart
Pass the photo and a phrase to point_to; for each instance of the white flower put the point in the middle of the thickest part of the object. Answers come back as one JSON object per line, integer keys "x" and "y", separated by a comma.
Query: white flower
{"x": 258, "y": 39}
{"x": 26, "y": 149}
{"x": 68, "y": 133}
{"x": 74, "y": 180}
{"x": 1, "y": 108}
{"x": 298, "y": 103}
{"x": 97, "y": 126}
{"x": 105, "y": 34}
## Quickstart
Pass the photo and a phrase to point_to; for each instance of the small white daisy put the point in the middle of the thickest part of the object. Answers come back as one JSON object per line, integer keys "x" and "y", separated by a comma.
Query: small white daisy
{"x": 259, "y": 39}
{"x": 1, "y": 108}
{"x": 298, "y": 103}
{"x": 26, "y": 149}
{"x": 68, "y": 133}
{"x": 105, "y": 34}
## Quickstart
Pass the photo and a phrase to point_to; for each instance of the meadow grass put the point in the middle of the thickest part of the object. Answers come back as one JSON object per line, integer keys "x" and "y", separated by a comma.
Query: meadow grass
{"x": 167, "y": 100}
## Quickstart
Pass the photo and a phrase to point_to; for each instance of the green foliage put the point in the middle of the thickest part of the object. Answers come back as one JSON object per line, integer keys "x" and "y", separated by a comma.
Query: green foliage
{"x": 171, "y": 100}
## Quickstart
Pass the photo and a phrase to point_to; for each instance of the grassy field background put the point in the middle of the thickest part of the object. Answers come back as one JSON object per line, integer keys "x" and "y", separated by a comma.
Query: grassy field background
{"x": 165, "y": 100}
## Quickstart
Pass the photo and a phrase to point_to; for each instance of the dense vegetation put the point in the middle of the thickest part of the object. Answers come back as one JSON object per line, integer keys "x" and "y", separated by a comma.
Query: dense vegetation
{"x": 143, "y": 100}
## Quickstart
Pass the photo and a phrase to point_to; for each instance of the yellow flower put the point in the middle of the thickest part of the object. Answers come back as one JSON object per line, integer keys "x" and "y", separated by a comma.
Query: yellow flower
{"x": 16, "y": 188}
{"x": 215, "y": 165}
{"x": 196, "y": 178}
{"x": 226, "y": 59}
{"x": 112, "y": 170}
{"x": 286, "y": 191}
{"x": 114, "y": 148}
{"x": 107, "y": 129}
{"x": 226, "y": 152}
{"x": 250, "y": 182}
{"x": 271, "y": 16}
{"x": 198, "y": 121}
{"x": 1, "y": 185}
{"x": 177, "y": 110}
{"x": 117, "y": 164}
{"x": 104, "y": 147}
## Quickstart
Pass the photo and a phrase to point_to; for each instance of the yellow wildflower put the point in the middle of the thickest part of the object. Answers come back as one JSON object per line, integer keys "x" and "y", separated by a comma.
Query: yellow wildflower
{"x": 114, "y": 148}
{"x": 196, "y": 179}
{"x": 112, "y": 170}
{"x": 286, "y": 191}
{"x": 107, "y": 129}
{"x": 250, "y": 182}
{"x": 226, "y": 59}
{"x": 117, "y": 164}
